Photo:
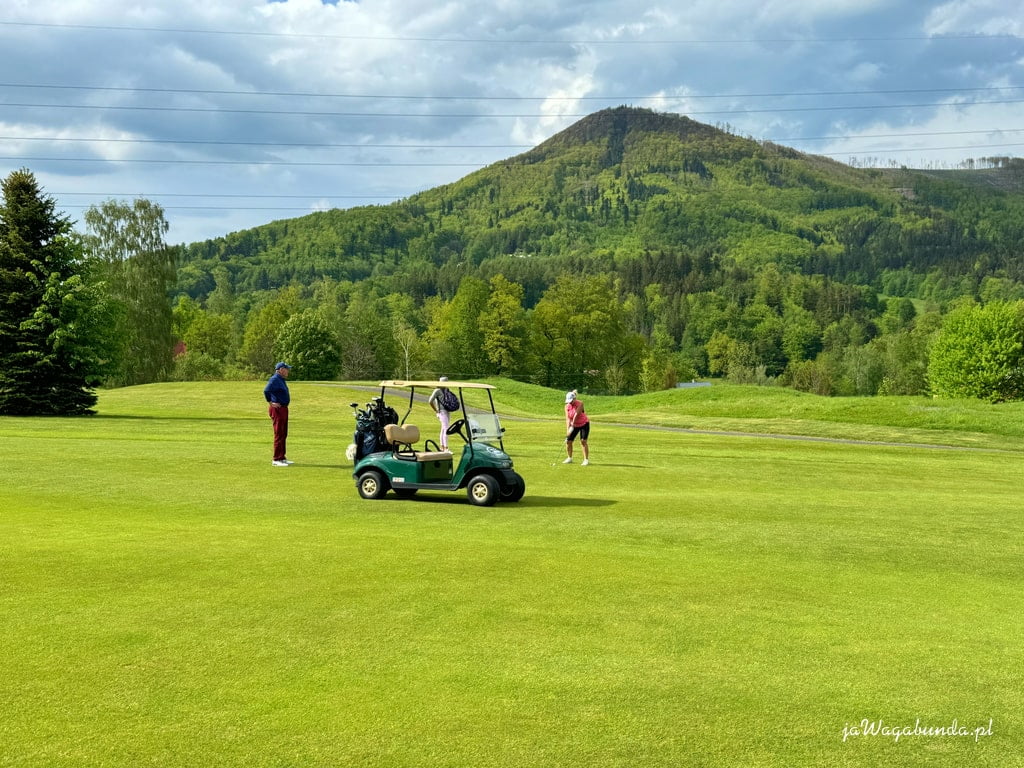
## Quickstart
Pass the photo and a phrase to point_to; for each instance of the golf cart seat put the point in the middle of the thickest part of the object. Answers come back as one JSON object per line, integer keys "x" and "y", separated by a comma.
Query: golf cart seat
{"x": 403, "y": 437}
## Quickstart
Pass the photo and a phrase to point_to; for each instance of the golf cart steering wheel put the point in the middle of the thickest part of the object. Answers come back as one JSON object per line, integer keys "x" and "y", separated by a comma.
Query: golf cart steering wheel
{"x": 456, "y": 429}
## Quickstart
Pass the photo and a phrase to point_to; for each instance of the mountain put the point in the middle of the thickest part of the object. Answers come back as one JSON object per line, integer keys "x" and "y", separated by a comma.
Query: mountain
{"x": 626, "y": 185}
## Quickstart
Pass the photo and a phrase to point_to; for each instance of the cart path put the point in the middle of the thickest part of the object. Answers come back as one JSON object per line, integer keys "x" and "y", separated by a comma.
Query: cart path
{"x": 725, "y": 433}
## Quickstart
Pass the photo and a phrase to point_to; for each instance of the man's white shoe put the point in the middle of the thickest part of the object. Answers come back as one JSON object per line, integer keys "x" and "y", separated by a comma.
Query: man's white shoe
{"x": 585, "y": 462}
{"x": 279, "y": 463}
{"x": 568, "y": 460}
{"x": 286, "y": 461}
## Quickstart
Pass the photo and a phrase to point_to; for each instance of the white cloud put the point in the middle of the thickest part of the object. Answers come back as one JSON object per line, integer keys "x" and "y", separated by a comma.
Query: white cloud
{"x": 297, "y": 74}
{"x": 775, "y": 10}
{"x": 866, "y": 72}
{"x": 980, "y": 17}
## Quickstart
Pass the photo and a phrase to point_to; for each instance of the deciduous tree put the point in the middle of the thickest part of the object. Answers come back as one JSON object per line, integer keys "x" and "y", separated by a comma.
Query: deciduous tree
{"x": 503, "y": 325}
{"x": 309, "y": 346}
{"x": 262, "y": 329}
{"x": 980, "y": 353}
{"x": 454, "y": 333}
{"x": 139, "y": 270}
{"x": 576, "y": 331}
{"x": 210, "y": 334}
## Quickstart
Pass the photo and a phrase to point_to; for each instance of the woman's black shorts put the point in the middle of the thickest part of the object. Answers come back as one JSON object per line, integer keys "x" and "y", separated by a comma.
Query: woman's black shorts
{"x": 583, "y": 432}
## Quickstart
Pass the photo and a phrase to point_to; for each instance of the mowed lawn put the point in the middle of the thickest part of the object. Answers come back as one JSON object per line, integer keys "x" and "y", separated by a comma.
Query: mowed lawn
{"x": 168, "y": 598}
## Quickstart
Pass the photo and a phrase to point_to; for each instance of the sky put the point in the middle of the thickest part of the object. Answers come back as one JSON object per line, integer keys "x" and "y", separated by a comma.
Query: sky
{"x": 234, "y": 113}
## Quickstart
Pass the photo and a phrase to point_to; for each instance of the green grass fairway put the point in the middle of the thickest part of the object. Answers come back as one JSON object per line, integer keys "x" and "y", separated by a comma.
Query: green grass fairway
{"x": 168, "y": 598}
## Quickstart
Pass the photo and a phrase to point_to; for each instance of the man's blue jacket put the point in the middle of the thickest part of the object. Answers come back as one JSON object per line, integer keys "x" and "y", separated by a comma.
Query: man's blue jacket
{"x": 276, "y": 391}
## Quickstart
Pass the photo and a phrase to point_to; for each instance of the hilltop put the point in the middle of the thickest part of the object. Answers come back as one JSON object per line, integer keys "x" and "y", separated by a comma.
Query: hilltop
{"x": 627, "y": 184}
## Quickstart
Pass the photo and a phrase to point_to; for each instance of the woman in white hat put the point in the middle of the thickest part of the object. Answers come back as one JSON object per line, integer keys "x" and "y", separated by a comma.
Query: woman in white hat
{"x": 576, "y": 423}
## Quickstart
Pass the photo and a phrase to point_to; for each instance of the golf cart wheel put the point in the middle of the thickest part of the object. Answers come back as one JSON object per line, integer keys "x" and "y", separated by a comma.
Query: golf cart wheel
{"x": 371, "y": 485}
{"x": 483, "y": 490}
{"x": 514, "y": 491}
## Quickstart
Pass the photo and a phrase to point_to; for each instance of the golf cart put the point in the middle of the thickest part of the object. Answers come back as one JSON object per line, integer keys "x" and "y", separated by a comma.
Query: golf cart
{"x": 484, "y": 469}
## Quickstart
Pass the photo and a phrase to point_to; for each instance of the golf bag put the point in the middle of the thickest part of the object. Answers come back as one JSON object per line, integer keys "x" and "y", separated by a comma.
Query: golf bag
{"x": 369, "y": 435}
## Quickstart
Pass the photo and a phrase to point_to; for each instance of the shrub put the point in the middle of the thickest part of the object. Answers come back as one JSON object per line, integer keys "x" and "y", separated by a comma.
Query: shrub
{"x": 980, "y": 353}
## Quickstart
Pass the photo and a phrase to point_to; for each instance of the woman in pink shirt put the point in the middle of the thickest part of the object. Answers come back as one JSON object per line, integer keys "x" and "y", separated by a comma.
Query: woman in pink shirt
{"x": 576, "y": 423}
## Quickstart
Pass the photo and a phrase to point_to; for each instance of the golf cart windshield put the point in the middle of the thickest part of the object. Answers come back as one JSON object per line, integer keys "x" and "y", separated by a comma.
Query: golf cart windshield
{"x": 485, "y": 427}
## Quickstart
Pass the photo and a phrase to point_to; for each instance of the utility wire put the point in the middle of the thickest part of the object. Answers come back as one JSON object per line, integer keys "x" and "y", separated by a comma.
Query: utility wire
{"x": 382, "y": 96}
{"x": 485, "y": 116}
{"x": 178, "y": 161}
{"x": 330, "y": 196}
{"x": 258, "y": 162}
{"x": 290, "y": 145}
{"x": 267, "y": 143}
{"x": 307, "y": 209}
{"x": 519, "y": 41}
{"x": 316, "y": 198}
{"x": 312, "y": 196}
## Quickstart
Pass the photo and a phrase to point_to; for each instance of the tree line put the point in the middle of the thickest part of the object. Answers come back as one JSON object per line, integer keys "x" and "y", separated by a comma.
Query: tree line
{"x": 109, "y": 307}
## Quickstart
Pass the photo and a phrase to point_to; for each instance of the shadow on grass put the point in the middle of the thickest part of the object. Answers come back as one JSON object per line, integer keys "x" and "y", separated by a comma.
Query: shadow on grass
{"x": 459, "y": 498}
{"x": 563, "y": 501}
{"x": 170, "y": 417}
{"x": 603, "y": 464}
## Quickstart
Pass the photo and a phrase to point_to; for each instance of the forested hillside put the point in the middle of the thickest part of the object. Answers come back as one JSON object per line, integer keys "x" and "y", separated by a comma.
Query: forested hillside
{"x": 721, "y": 254}
{"x": 626, "y": 183}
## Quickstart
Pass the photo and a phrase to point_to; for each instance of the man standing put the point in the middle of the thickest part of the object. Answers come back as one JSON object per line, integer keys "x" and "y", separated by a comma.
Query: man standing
{"x": 277, "y": 395}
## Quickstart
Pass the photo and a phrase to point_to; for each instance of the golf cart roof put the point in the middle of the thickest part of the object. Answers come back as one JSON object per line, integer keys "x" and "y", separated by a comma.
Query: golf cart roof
{"x": 433, "y": 384}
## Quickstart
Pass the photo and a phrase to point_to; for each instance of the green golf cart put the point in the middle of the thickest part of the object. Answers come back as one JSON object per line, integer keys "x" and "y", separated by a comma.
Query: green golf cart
{"x": 402, "y": 466}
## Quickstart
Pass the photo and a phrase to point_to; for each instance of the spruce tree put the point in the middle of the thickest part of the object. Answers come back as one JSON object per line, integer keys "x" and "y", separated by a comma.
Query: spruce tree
{"x": 49, "y": 353}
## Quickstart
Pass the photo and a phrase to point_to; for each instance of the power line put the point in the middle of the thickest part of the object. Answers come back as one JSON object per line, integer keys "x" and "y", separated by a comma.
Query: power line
{"x": 482, "y": 115}
{"x": 896, "y": 135}
{"x": 314, "y": 145}
{"x": 316, "y": 198}
{"x": 178, "y": 161}
{"x": 311, "y": 196}
{"x": 266, "y": 143}
{"x": 382, "y": 96}
{"x": 307, "y": 209}
{"x": 844, "y": 153}
{"x": 399, "y": 195}
{"x": 519, "y": 41}
{"x": 913, "y": 149}
{"x": 171, "y": 161}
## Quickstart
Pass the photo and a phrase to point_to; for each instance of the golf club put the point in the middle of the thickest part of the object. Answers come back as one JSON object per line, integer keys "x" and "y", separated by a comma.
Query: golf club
{"x": 556, "y": 463}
